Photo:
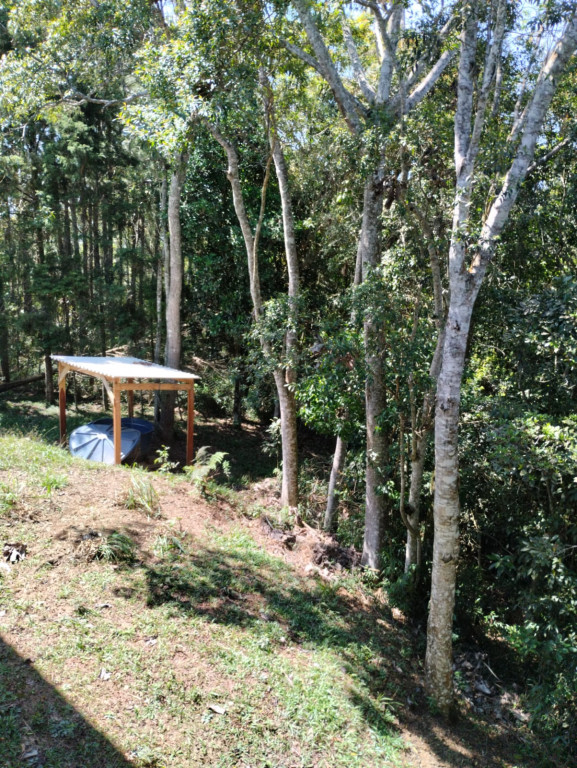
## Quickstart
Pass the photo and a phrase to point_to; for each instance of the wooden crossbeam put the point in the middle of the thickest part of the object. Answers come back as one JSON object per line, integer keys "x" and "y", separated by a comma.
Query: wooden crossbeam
{"x": 164, "y": 387}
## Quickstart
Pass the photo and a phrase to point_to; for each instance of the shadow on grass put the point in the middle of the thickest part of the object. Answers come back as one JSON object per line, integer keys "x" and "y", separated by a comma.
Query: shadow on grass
{"x": 39, "y": 727}
{"x": 244, "y": 449}
{"x": 22, "y": 415}
{"x": 247, "y": 589}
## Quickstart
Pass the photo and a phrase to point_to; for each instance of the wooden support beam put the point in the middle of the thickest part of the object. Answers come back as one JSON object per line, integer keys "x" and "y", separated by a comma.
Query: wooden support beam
{"x": 135, "y": 385}
{"x": 108, "y": 386}
{"x": 116, "y": 423}
{"x": 130, "y": 399}
{"x": 62, "y": 371}
{"x": 190, "y": 425}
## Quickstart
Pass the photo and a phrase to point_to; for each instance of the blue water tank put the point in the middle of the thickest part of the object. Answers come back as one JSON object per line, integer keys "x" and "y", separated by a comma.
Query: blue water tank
{"x": 146, "y": 429}
{"x": 96, "y": 443}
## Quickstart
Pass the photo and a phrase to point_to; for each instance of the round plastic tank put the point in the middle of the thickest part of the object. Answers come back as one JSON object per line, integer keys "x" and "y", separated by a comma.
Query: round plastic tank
{"x": 96, "y": 442}
{"x": 146, "y": 429}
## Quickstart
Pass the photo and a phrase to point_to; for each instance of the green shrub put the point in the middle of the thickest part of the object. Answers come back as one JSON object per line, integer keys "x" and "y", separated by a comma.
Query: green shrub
{"x": 142, "y": 495}
{"x": 204, "y": 467}
{"x": 116, "y": 548}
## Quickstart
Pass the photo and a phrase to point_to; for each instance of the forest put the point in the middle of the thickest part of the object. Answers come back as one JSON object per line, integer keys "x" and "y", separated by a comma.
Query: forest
{"x": 356, "y": 222}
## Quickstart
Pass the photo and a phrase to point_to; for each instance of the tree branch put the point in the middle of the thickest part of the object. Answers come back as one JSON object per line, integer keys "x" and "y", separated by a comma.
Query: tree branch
{"x": 428, "y": 82}
{"x": 465, "y": 90}
{"x": 77, "y": 98}
{"x": 389, "y": 33}
{"x": 303, "y": 56}
{"x": 545, "y": 87}
{"x": 357, "y": 66}
{"x": 490, "y": 69}
{"x": 545, "y": 158}
{"x": 349, "y": 106}
{"x": 423, "y": 61}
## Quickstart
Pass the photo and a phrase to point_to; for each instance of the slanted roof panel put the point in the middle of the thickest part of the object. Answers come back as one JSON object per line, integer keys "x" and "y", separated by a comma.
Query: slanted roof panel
{"x": 124, "y": 368}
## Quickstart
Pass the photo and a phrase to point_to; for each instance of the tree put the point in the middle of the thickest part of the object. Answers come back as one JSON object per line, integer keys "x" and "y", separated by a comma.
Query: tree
{"x": 469, "y": 257}
{"x": 370, "y": 110}
{"x": 193, "y": 87}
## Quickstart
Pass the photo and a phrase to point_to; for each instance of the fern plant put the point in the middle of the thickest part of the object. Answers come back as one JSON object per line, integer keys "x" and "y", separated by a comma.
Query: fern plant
{"x": 204, "y": 467}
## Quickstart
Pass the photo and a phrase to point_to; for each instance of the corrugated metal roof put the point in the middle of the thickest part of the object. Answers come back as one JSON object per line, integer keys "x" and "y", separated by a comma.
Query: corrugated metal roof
{"x": 124, "y": 368}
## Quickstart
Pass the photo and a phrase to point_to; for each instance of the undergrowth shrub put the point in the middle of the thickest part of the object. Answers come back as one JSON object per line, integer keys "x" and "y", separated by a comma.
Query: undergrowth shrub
{"x": 519, "y": 551}
{"x": 142, "y": 495}
{"x": 116, "y": 547}
{"x": 10, "y": 495}
{"x": 205, "y": 467}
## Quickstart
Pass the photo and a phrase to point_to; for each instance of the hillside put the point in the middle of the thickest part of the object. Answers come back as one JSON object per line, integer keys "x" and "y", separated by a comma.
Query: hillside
{"x": 179, "y": 632}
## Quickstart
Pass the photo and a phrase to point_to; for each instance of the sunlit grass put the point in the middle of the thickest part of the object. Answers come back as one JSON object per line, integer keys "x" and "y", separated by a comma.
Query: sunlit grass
{"x": 215, "y": 652}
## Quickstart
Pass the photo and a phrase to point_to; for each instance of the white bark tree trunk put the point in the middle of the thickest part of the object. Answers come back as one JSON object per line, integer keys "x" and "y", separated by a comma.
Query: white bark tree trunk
{"x": 286, "y": 382}
{"x": 413, "y": 545}
{"x": 334, "y": 482}
{"x": 283, "y": 377}
{"x": 369, "y": 252}
{"x": 174, "y": 287}
{"x": 466, "y": 272}
{"x": 446, "y": 540}
{"x": 288, "y": 423}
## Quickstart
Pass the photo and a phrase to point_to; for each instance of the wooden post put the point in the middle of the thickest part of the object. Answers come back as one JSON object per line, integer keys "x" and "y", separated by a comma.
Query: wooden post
{"x": 62, "y": 371}
{"x": 190, "y": 424}
{"x": 116, "y": 423}
{"x": 130, "y": 394}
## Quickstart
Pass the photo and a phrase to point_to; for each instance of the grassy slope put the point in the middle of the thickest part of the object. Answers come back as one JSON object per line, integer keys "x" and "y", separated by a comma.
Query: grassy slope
{"x": 300, "y": 668}
{"x": 212, "y": 647}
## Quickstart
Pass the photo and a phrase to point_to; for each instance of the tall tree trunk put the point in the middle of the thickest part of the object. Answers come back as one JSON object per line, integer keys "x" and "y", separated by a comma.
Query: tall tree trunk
{"x": 466, "y": 271}
{"x": 288, "y": 418}
{"x": 133, "y": 258}
{"x": 289, "y": 492}
{"x": 413, "y": 545}
{"x": 67, "y": 246}
{"x": 173, "y": 334}
{"x": 75, "y": 243}
{"x": 48, "y": 379}
{"x": 141, "y": 262}
{"x": 369, "y": 252}
{"x": 158, "y": 324}
{"x": 4, "y": 337}
{"x": 286, "y": 382}
{"x": 162, "y": 280}
{"x": 107, "y": 247}
{"x": 237, "y": 401}
{"x": 45, "y": 299}
{"x": 336, "y": 472}
{"x": 95, "y": 238}
{"x": 84, "y": 228}
{"x": 439, "y": 661}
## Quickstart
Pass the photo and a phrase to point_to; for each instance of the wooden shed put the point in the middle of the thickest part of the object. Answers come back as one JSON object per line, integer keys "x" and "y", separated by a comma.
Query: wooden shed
{"x": 126, "y": 374}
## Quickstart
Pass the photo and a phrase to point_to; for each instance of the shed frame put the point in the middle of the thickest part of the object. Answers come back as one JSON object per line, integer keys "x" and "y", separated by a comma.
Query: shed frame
{"x": 118, "y": 375}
